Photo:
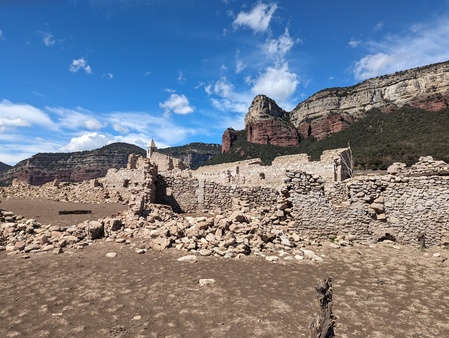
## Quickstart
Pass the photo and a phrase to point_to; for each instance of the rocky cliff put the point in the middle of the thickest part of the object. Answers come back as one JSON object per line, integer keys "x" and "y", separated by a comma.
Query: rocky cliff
{"x": 267, "y": 123}
{"x": 332, "y": 110}
{"x": 192, "y": 154}
{"x": 227, "y": 141}
{"x": 77, "y": 166}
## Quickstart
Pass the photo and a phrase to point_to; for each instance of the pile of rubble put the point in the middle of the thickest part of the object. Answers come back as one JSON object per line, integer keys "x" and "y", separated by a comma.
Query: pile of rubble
{"x": 268, "y": 232}
{"x": 426, "y": 166}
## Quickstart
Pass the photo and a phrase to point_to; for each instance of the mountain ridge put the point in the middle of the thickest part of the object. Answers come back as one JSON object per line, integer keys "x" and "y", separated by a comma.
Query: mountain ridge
{"x": 4, "y": 166}
{"x": 75, "y": 166}
{"x": 334, "y": 109}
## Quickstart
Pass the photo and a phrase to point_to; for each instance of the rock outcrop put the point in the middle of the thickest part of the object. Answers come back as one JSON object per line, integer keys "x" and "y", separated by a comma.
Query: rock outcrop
{"x": 423, "y": 87}
{"x": 334, "y": 109}
{"x": 77, "y": 166}
{"x": 267, "y": 123}
{"x": 228, "y": 139}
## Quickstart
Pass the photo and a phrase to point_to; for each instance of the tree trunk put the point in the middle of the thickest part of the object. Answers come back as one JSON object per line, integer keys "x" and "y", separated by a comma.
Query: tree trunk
{"x": 323, "y": 325}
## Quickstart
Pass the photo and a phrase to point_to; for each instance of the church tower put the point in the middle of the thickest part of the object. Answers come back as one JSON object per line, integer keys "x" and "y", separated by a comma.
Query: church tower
{"x": 151, "y": 148}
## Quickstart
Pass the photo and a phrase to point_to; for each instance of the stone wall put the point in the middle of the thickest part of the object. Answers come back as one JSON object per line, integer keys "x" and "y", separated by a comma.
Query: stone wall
{"x": 139, "y": 175}
{"x": 189, "y": 194}
{"x": 411, "y": 210}
{"x": 334, "y": 166}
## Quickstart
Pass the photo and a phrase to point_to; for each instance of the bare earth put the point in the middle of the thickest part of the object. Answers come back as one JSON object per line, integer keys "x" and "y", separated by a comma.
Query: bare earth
{"x": 379, "y": 291}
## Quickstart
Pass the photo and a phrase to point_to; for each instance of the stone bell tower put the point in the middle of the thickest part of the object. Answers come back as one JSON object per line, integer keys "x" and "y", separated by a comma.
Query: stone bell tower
{"x": 151, "y": 148}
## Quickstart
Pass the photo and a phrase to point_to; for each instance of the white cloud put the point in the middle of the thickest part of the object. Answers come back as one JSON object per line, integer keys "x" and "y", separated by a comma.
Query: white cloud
{"x": 231, "y": 104}
{"x": 258, "y": 19}
{"x": 148, "y": 126}
{"x": 79, "y": 129}
{"x": 77, "y": 119}
{"x": 278, "y": 82}
{"x": 240, "y": 66}
{"x": 178, "y": 104}
{"x": 110, "y": 76}
{"x": 78, "y": 64}
{"x": 86, "y": 141}
{"x": 118, "y": 127}
{"x": 378, "y": 26}
{"x": 181, "y": 77}
{"x": 14, "y": 115}
{"x": 48, "y": 39}
{"x": 276, "y": 49}
{"x": 354, "y": 43}
{"x": 2, "y": 36}
{"x": 421, "y": 45}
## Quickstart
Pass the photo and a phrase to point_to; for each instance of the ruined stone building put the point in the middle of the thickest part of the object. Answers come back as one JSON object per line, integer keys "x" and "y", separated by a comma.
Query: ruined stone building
{"x": 321, "y": 197}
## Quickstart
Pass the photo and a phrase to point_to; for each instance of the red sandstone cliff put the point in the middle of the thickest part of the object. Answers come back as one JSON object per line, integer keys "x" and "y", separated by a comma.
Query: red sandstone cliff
{"x": 228, "y": 139}
{"x": 267, "y": 123}
{"x": 334, "y": 109}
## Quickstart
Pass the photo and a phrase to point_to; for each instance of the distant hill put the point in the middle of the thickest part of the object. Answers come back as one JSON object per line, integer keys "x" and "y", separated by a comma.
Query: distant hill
{"x": 76, "y": 166}
{"x": 4, "y": 166}
{"x": 193, "y": 154}
{"x": 377, "y": 140}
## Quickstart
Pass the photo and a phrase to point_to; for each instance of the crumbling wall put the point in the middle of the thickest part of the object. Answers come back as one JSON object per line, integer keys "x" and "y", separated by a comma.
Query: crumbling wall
{"x": 412, "y": 210}
{"x": 333, "y": 167}
{"x": 139, "y": 175}
{"x": 189, "y": 194}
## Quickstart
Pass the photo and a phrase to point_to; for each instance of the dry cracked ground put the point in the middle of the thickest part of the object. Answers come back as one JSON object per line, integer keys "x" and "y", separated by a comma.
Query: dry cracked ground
{"x": 384, "y": 290}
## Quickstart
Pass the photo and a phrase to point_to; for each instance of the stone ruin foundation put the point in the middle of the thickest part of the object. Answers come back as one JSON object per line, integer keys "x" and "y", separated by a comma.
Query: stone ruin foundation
{"x": 247, "y": 207}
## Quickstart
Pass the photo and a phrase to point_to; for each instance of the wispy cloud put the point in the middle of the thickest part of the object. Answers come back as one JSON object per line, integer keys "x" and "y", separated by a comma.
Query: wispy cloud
{"x": 277, "y": 49}
{"x": 353, "y": 43}
{"x": 47, "y": 38}
{"x": 23, "y": 115}
{"x": 240, "y": 65}
{"x": 109, "y": 76}
{"x": 178, "y": 104}
{"x": 257, "y": 19}
{"x": 421, "y": 44}
{"x": 76, "y": 119}
{"x": 78, "y": 64}
{"x": 231, "y": 104}
{"x": 64, "y": 129}
{"x": 2, "y": 36}
{"x": 181, "y": 77}
{"x": 378, "y": 26}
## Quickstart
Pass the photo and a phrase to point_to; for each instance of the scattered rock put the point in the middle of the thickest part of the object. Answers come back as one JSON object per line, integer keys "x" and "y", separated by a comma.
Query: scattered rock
{"x": 188, "y": 258}
{"x": 309, "y": 254}
{"x": 203, "y": 282}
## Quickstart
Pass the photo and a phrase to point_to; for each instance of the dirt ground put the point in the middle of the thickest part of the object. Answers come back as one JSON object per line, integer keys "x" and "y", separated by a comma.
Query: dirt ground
{"x": 379, "y": 291}
{"x": 47, "y": 212}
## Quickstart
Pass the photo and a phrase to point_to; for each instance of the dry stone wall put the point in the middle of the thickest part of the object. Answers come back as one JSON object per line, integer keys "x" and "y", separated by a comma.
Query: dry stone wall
{"x": 334, "y": 166}
{"x": 412, "y": 210}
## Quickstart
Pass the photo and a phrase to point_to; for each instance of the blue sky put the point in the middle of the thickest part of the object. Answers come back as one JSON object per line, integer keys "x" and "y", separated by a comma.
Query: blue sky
{"x": 79, "y": 74}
